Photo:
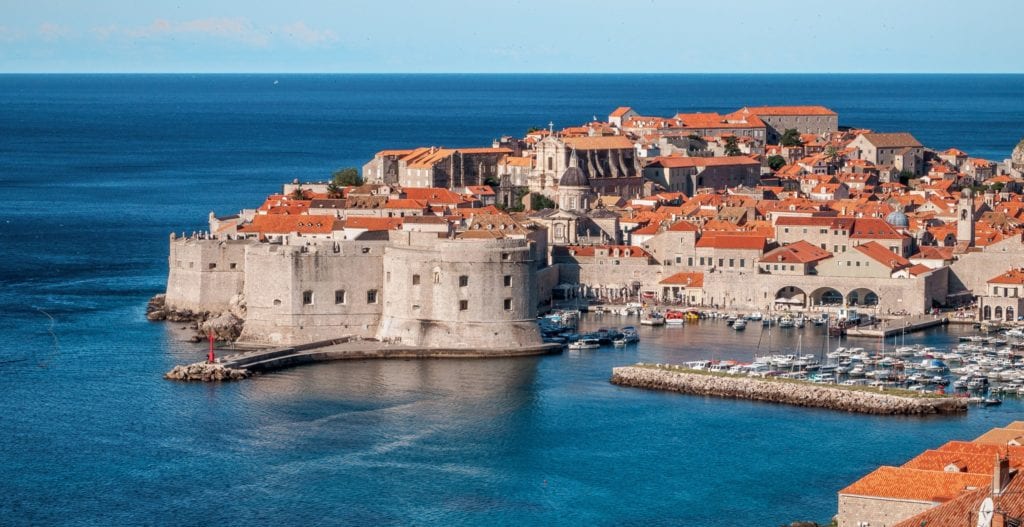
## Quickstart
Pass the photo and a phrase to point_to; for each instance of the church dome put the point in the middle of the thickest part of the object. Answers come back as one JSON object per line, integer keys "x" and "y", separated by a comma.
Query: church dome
{"x": 897, "y": 218}
{"x": 573, "y": 177}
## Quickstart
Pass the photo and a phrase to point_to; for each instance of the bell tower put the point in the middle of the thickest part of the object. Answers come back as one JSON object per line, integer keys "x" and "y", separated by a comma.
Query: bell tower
{"x": 965, "y": 218}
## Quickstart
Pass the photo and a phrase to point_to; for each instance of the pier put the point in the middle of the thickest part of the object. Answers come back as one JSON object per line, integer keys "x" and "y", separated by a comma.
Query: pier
{"x": 897, "y": 326}
{"x": 354, "y": 348}
{"x": 798, "y": 393}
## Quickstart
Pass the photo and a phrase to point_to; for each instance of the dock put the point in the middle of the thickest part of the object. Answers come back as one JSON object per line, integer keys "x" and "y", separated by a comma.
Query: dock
{"x": 354, "y": 348}
{"x": 897, "y": 326}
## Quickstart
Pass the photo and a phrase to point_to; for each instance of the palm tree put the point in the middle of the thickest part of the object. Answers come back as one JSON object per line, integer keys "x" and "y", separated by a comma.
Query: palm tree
{"x": 335, "y": 191}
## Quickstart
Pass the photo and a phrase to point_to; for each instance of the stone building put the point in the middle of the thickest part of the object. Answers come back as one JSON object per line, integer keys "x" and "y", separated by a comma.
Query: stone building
{"x": 435, "y": 167}
{"x": 688, "y": 174}
{"x": 816, "y": 120}
{"x": 900, "y": 150}
{"x": 1003, "y": 297}
{"x": 608, "y": 162}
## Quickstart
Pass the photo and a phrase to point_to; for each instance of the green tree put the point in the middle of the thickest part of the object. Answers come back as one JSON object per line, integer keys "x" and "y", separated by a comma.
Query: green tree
{"x": 791, "y": 137}
{"x": 832, "y": 155}
{"x": 731, "y": 147}
{"x": 298, "y": 193}
{"x": 347, "y": 177}
{"x": 335, "y": 191}
{"x": 776, "y": 162}
{"x": 539, "y": 201}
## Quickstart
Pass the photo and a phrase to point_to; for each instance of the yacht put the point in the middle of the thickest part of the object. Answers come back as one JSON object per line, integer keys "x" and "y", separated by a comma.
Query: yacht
{"x": 585, "y": 344}
{"x": 739, "y": 324}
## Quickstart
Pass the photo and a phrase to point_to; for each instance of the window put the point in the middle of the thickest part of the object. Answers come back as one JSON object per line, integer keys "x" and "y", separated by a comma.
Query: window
{"x": 387, "y": 276}
{"x": 732, "y": 262}
{"x": 463, "y": 305}
{"x": 191, "y": 265}
{"x": 679, "y": 259}
{"x": 505, "y": 256}
{"x": 702, "y": 260}
{"x": 743, "y": 262}
{"x": 213, "y": 266}
{"x": 858, "y": 263}
{"x": 689, "y": 261}
{"x": 366, "y": 250}
{"x": 507, "y": 280}
{"x": 339, "y": 296}
{"x": 233, "y": 266}
{"x": 415, "y": 279}
{"x": 371, "y": 296}
{"x": 463, "y": 281}
{"x": 508, "y": 304}
{"x": 721, "y": 262}
{"x": 307, "y": 298}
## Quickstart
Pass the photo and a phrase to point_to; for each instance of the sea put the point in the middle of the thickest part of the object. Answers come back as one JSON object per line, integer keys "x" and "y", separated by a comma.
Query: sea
{"x": 97, "y": 170}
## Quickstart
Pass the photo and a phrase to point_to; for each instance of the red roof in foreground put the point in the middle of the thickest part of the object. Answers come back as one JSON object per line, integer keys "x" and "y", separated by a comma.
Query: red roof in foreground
{"x": 918, "y": 485}
{"x": 880, "y": 254}
{"x": 1012, "y": 277}
{"x": 801, "y": 252}
{"x": 685, "y": 278}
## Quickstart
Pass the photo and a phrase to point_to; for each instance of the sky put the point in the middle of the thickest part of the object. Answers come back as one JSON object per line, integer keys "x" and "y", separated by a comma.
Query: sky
{"x": 479, "y": 36}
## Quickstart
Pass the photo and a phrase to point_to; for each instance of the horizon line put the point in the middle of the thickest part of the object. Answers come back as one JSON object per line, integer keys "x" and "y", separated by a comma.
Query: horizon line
{"x": 505, "y": 73}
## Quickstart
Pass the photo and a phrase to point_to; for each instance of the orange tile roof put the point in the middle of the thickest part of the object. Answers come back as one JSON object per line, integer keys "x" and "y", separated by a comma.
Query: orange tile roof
{"x": 607, "y": 142}
{"x": 620, "y": 111}
{"x": 1012, "y": 277}
{"x": 685, "y": 278}
{"x": 734, "y": 241}
{"x": 874, "y": 228}
{"x": 916, "y": 485}
{"x": 688, "y": 162}
{"x": 371, "y": 223}
{"x": 880, "y": 254}
{"x": 975, "y": 463}
{"x": 683, "y": 226}
{"x": 801, "y": 252}
{"x": 788, "y": 110}
{"x": 892, "y": 140}
{"x": 287, "y": 224}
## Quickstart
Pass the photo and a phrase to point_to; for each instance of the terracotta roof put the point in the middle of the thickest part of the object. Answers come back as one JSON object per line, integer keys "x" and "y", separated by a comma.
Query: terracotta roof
{"x": 715, "y": 120}
{"x": 880, "y": 254}
{"x": 686, "y": 162}
{"x": 734, "y": 241}
{"x": 788, "y": 110}
{"x": 929, "y": 252}
{"x": 874, "y": 228}
{"x": 894, "y": 140}
{"x": 683, "y": 226}
{"x": 287, "y": 224}
{"x": 941, "y": 460}
{"x": 916, "y": 485}
{"x": 620, "y": 111}
{"x": 607, "y": 142}
{"x": 801, "y": 252}
{"x": 1012, "y": 277}
{"x": 685, "y": 278}
{"x": 371, "y": 223}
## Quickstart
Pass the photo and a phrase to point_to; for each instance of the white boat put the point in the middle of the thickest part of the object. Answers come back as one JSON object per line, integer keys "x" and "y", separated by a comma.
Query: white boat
{"x": 653, "y": 319}
{"x": 585, "y": 344}
{"x": 787, "y": 322}
{"x": 755, "y": 316}
{"x": 619, "y": 342}
{"x": 739, "y": 325}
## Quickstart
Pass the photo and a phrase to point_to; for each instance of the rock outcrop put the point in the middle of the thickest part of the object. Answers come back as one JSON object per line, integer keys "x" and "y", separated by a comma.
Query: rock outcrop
{"x": 206, "y": 372}
{"x": 225, "y": 327}
{"x": 673, "y": 378}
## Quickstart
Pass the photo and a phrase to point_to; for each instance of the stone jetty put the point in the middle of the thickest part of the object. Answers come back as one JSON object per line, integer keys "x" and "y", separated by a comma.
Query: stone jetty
{"x": 206, "y": 372}
{"x": 798, "y": 393}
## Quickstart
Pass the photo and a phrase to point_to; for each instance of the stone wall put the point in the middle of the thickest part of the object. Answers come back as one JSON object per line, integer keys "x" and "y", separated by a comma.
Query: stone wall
{"x": 204, "y": 274}
{"x": 300, "y": 294}
{"x": 877, "y": 512}
{"x": 972, "y": 271}
{"x": 794, "y": 393}
{"x": 459, "y": 293}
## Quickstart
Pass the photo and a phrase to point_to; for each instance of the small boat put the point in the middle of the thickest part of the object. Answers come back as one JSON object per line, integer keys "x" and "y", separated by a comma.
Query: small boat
{"x": 585, "y": 344}
{"x": 653, "y": 319}
{"x": 755, "y": 316}
{"x": 619, "y": 342}
{"x": 630, "y": 334}
{"x": 739, "y": 325}
{"x": 675, "y": 318}
{"x": 991, "y": 401}
{"x": 787, "y": 322}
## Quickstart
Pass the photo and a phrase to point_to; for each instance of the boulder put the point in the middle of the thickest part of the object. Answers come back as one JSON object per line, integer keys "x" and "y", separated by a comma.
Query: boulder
{"x": 225, "y": 327}
{"x": 205, "y": 372}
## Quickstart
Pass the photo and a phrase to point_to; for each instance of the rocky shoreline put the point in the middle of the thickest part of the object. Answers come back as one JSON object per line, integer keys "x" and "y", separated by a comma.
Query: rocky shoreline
{"x": 677, "y": 379}
{"x": 226, "y": 326}
{"x": 206, "y": 372}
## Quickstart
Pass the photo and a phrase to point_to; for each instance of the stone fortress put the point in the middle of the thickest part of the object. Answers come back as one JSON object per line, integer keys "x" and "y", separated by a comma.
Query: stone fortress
{"x": 421, "y": 255}
{"x": 412, "y": 288}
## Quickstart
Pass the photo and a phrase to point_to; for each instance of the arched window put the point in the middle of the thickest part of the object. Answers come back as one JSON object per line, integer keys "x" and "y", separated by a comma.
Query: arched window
{"x": 986, "y": 314}
{"x": 999, "y": 312}
{"x": 1009, "y": 313}
{"x": 437, "y": 275}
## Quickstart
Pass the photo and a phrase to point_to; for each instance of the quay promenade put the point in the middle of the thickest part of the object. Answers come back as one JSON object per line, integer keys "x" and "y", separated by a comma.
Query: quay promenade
{"x": 350, "y": 348}
{"x": 896, "y": 326}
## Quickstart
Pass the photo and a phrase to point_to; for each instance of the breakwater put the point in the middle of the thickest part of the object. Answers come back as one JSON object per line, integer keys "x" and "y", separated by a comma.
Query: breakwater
{"x": 798, "y": 393}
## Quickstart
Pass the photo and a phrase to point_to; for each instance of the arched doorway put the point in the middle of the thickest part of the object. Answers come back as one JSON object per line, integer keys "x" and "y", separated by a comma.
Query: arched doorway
{"x": 791, "y": 296}
{"x": 999, "y": 312}
{"x": 826, "y": 296}
{"x": 862, "y": 297}
{"x": 1009, "y": 313}
{"x": 986, "y": 313}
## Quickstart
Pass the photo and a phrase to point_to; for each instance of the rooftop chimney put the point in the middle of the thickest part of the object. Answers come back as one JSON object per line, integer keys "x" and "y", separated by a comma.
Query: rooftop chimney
{"x": 1000, "y": 475}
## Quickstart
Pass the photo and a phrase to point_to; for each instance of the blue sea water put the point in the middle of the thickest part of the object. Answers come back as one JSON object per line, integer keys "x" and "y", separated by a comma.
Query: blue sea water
{"x": 96, "y": 170}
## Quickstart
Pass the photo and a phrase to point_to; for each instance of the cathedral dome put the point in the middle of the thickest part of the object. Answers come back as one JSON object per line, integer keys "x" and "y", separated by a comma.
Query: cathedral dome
{"x": 897, "y": 218}
{"x": 573, "y": 177}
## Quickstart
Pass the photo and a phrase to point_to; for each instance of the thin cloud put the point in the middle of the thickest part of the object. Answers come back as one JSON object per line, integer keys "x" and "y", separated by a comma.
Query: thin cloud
{"x": 303, "y": 34}
{"x": 230, "y": 29}
{"x": 50, "y": 31}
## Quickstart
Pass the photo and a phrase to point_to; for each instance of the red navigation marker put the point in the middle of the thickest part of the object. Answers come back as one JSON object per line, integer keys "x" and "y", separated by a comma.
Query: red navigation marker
{"x": 209, "y": 356}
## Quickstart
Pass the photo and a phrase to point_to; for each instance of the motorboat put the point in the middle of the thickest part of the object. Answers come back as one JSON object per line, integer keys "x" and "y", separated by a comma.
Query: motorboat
{"x": 787, "y": 322}
{"x": 585, "y": 343}
{"x": 739, "y": 324}
{"x": 653, "y": 319}
{"x": 675, "y": 318}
